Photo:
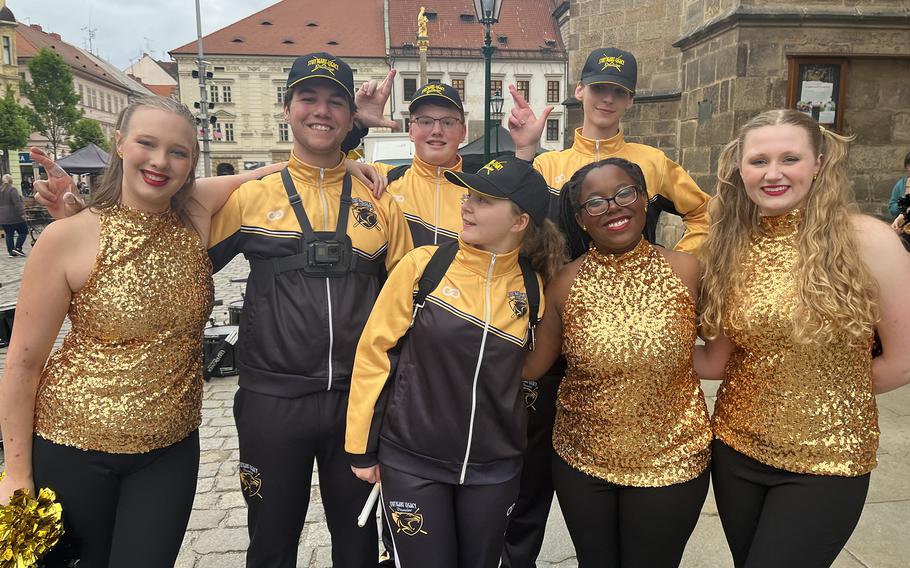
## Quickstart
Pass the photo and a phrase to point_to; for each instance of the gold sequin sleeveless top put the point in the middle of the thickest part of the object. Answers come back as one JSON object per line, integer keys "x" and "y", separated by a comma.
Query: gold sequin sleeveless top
{"x": 630, "y": 409}
{"x": 128, "y": 378}
{"x": 805, "y": 408}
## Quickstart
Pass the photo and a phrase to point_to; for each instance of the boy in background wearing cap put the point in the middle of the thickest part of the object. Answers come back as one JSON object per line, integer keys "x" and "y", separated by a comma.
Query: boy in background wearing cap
{"x": 450, "y": 440}
{"x": 606, "y": 92}
{"x": 319, "y": 245}
{"x": 430, "y": 203}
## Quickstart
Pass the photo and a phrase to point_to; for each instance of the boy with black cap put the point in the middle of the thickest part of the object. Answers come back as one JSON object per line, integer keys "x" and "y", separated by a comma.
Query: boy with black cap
{"x": 430, "y": 203}
{"x": 606, "y": 92}
{"x": 319, "y": 245}
{"x": 450, "y": 440}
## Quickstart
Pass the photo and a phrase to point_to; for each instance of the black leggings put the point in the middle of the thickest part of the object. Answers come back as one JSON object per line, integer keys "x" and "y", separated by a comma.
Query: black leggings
{"x": 773, "y": 517}
{"x": 632, "y": 527}
{"x": 119, "y": 509}
{"x": 444, "y": 525}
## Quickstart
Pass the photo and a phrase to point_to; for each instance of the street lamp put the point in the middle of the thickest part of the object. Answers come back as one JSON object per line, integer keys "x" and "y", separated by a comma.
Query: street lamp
{"x": 487, "y": 14}
{"x": 496, "y": 110}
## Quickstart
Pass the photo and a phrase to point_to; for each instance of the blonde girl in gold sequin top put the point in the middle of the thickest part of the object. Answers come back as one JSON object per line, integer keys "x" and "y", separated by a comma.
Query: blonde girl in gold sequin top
{"x": 795, "y": 283}
{"x": 115, "y": 410}
{"x": 632, "y": 437}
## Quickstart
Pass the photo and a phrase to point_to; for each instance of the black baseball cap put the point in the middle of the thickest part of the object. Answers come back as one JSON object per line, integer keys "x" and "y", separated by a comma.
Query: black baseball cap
{"x": 322, "y": 65}
{"x": 611, "y": 65}
{"x": 510, "y": 178}
{"x": 438, "y": 93}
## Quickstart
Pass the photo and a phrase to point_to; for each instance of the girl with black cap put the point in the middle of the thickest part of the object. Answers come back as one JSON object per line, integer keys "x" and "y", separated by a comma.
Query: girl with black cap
{"x": 632, "y": 437}
{"x": 452, "y": 434}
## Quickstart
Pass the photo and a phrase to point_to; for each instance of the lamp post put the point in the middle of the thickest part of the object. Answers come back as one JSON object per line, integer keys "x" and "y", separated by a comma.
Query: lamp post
{"x": 496, "y": 110}
{"x": 487, "y": 14}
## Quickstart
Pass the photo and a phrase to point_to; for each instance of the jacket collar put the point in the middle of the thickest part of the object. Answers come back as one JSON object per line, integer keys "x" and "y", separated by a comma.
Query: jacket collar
{"x": 425, "y": 170}
{"x": 590, "y": 146}
{"x": 310, "y": 175}
{"x": 478, "y": 261}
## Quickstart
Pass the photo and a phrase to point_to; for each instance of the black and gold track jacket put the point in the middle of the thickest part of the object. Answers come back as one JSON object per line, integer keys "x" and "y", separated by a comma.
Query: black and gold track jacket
{"x": 454, "y": 411}
{"x": 298, "y": 333}
{"x": 430, "y": 202}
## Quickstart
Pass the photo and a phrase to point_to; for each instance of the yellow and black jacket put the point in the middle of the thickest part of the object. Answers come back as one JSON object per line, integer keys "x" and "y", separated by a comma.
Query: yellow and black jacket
{"x": 454, "y": 411}
{"x": 430, "y": 202}
{"x": 298, "y": 333}
{"x": 670, "y": 188}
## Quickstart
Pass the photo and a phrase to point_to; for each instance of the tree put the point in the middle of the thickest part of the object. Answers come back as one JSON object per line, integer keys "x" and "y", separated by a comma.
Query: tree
{"x": 87, "y": 131}
{"x": 14, "y": 128}
{"x": 54, "y": 112}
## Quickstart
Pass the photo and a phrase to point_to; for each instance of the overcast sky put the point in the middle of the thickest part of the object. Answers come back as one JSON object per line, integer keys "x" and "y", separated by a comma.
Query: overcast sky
{"x": 126, "y": 28}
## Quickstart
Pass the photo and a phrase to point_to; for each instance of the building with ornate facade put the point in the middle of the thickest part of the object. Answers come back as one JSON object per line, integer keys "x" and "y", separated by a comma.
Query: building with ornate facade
{"x": 250, "y": 60}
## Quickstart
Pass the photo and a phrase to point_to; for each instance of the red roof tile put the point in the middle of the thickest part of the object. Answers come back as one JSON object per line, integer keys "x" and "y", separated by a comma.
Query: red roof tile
{"x": 527, "y": 24}
{"x": 296, "y": 27}
{"x": 31, "y": 39}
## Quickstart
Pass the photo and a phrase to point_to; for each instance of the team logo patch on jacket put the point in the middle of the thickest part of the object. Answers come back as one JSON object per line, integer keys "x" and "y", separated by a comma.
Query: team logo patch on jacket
{"x": 250, "y": 481}
{"x": 364, "y": 213}
{"x": 530, "y": 392}
{"x": 518, "y": 301}
{"x": 407, "y": 518}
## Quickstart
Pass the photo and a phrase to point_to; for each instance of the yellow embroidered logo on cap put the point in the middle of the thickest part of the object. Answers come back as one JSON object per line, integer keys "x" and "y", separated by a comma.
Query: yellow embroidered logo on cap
{"x": 318, "y": 63}
{"x": 492, "y": 166}
{"x": 611, "y": 61}
{"x": 433, "y": 89}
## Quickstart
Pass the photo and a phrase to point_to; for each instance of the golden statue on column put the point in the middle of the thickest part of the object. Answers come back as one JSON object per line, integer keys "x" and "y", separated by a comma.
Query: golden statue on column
{"x": 423, "y": 43}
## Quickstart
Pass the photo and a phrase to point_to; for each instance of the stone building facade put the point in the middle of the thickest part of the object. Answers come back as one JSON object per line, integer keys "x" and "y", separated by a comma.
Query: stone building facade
{"x": 708, "y": 66}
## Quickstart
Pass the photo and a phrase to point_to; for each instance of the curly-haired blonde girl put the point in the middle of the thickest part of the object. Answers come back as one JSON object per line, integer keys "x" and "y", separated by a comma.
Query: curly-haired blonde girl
{"x": 836, "y": 293}
{"x": 795, "y": 282}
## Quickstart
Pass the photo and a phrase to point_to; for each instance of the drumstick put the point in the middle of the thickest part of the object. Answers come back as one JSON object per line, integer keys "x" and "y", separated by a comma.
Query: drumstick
{"x": 368, "y": 506}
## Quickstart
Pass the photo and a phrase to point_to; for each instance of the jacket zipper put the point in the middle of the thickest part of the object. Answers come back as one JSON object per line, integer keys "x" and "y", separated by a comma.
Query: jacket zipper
{"x": 483, "y": 343}
{"x": 436, "y": 223}
{"x": 328, "y": 289}
{"x": 597, "y": 147}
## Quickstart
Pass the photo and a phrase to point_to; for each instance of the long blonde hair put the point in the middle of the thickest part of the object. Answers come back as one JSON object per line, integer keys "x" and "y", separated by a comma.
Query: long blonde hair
{"x": 835, "y": 291}
{"x": 110, "y": 189}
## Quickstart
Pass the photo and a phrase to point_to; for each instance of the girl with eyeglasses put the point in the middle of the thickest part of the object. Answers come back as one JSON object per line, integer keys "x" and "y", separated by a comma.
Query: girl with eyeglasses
{"x": 632, "y": 436}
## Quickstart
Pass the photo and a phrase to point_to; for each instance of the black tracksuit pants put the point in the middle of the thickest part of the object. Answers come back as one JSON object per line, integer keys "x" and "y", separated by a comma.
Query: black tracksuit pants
{"x": 119, "y": 509}
{"x": 615, "y": 526}
{"x": 279, "y": 440}
{"x": 772, "y": 517}
{"x": 445, "y": 525}
{"x": 524, "y": 535}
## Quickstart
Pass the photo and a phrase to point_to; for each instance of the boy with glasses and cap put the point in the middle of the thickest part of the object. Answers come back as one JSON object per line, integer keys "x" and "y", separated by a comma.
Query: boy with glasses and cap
{"x": 429, "y": 201}
{"x": 606, "y": 92}
{"x": 320, "y": 245}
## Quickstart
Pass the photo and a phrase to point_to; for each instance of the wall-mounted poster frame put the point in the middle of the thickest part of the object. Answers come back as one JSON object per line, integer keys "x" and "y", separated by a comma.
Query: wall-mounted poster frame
{"x": 816, "y": 86}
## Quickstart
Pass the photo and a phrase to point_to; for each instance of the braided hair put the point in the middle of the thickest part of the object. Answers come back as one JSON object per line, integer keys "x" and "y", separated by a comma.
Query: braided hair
{"x": 577, "y": 240}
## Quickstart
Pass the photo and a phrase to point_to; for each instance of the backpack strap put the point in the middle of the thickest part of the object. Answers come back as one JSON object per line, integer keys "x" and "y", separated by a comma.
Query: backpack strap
{"x": 432, "y": 275}
{"x": 396, "y": 173}
{"x": 532, "y": 289}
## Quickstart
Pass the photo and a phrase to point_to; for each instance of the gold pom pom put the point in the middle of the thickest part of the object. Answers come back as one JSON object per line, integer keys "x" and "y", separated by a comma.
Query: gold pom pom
{"x": 29, "y": 528}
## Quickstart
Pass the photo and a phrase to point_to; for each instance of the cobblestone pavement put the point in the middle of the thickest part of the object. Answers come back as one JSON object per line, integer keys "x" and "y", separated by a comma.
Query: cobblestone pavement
{"x": 217, "y": 535}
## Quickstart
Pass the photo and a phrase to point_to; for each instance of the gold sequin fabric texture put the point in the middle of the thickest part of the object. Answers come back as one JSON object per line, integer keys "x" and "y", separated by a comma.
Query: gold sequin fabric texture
{"x": 630, "y": 409}
{"x": 805, "y": 408}
{"x": 128, "y": 377}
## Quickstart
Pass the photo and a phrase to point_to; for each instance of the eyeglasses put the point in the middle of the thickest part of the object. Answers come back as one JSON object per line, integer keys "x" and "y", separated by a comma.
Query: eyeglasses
{"x": 623, "y": 198}
{"x": 427, "y": 122}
